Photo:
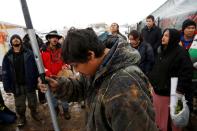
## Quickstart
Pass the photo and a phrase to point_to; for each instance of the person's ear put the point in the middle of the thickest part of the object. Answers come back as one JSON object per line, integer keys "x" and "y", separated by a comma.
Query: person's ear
{"x": 91, "y": 55}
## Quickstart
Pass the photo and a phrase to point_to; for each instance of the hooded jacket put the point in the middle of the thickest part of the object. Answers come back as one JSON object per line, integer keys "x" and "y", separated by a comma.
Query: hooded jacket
{"x": 174, "y": 61}
{"x": 116, "y": 97}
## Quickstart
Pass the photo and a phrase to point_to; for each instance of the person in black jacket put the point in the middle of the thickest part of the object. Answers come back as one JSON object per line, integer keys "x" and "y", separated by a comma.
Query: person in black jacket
{"x": 41, "y": 45}
{"x": 145, "y": 50}
{"x": 151, "y": 33}
{"x": 20, "y": 76}
{"x": 27, "y": 44}
{"x": 172, "y": 61}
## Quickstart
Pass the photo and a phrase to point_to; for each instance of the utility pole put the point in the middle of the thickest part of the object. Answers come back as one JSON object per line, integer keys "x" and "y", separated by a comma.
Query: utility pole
{"x": 39, "y": 63}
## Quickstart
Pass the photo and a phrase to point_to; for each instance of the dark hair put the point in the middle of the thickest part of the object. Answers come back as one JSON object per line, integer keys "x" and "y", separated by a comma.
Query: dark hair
{"x": 135, "y": 35}
{"x": 174, "y": 37}
{"x": 151, "y": 17}
{"x": 188, "y": 22}
{"x": 78, "y": 43}
{"x": 15, "y": 36}
{"x": 117, "y": 27}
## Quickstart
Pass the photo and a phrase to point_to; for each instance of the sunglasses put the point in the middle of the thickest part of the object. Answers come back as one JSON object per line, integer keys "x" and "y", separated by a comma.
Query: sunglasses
{"x": 16, "y": 45}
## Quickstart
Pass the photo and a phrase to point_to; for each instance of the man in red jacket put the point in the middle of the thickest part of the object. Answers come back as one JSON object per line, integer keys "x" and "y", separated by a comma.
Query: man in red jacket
{"x": 53, "y": 63}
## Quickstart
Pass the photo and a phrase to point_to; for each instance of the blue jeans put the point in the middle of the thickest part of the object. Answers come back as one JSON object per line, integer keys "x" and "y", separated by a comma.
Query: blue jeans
{"x": 7, "y": 117}
{"x": 64, "y": 103}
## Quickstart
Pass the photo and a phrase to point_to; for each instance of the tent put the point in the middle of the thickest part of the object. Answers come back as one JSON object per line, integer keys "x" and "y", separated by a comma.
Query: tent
{"x": 173, "y": 12}
{"x": 5, "y": 25}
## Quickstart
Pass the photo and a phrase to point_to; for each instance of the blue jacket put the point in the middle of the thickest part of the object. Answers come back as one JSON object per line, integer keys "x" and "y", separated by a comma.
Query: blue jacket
{"x": 9, "y": 77}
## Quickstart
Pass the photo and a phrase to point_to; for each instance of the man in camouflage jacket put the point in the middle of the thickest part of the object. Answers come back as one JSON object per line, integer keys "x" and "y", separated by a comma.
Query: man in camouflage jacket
{"x": 113, "y": 87}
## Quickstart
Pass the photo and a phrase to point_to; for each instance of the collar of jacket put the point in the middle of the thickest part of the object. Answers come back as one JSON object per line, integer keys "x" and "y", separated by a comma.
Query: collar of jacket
{"x": 57, "y": 46}
{"x": 49, "y": 49}
{"x": 152, "y": 28}
{"x": 186, "y": 41}
{"x": 120, "y": 55}
{"x": 27, "y": 53}
{"x": 11, "y": 51}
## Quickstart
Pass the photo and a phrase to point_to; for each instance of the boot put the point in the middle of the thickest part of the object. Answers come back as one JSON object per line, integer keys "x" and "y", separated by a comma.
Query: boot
{"x": 35, "y": 115}
{"x": 67, "y": 115}
{"x": 57, "y": 110}
{"x": 21, "y": 121}
{"x": 41, "y": 97}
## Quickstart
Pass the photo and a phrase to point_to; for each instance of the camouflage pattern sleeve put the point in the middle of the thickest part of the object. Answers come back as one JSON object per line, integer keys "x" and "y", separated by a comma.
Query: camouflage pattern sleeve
{"x": 70, "y": 89}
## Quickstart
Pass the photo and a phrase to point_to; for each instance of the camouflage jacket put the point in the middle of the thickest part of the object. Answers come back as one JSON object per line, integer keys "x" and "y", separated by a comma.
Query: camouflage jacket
{"x": 116, "y": 97}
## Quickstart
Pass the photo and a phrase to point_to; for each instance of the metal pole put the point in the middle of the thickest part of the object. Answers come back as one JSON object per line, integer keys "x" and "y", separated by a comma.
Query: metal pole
{"x": 39, "y": 63}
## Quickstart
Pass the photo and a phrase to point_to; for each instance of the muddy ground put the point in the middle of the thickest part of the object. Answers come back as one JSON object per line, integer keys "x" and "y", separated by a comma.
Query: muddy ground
{"x": 76, "y": 123}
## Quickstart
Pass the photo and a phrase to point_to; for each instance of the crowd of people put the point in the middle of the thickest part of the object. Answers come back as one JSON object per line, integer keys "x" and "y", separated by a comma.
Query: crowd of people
{"x": 124, "y": 82}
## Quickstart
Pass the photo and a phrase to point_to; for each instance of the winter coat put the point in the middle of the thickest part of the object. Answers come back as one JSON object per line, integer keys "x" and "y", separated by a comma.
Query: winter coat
{"x": 108, "y": 39}
{"x": 9, "y": 77}
{"x": 52, "y": 60}
{"x": 116, "y": 97}
{"x": 147, "y": 57}
{"x": 172, "y": 62}
{"x": 152, "y": 36}
{"x": 27, "y": 44}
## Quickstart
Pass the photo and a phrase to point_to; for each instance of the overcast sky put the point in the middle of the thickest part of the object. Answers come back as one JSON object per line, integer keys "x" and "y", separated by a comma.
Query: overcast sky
{"x": 55, "y": 14}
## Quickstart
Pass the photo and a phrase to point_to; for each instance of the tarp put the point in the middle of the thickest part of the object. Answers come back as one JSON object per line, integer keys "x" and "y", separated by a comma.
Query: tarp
{"x": 173, "y": 12}
{"x": 175, "y": 7}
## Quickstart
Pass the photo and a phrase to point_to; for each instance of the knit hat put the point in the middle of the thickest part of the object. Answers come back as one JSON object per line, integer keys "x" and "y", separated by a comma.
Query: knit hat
{"x": 187, "y": 23}
{"x": 15, "y": 36}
